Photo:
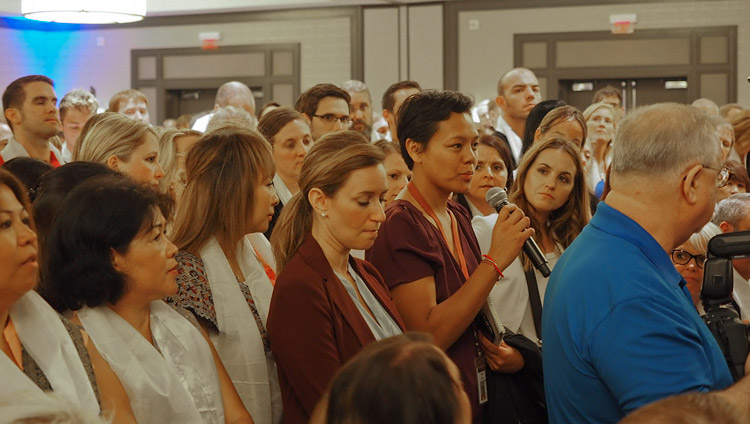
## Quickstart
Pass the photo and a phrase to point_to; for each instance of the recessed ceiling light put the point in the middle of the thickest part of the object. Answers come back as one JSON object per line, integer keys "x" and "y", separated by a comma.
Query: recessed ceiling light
{"x": 85, "y": 11}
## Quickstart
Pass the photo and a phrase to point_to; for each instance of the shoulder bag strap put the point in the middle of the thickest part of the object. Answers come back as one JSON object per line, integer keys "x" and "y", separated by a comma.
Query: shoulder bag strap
{"x": 536, "y": 301}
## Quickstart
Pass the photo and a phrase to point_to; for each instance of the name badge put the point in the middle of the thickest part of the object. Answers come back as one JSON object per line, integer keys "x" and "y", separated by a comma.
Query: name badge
{"x": 481, "y": 367}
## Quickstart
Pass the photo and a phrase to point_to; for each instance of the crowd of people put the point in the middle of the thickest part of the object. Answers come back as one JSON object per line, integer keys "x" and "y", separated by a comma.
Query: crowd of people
{"x": 324, "y": 263}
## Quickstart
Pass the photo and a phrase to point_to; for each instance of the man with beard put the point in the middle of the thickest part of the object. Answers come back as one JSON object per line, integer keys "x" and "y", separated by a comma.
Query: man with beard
{"x": 517, "y": 93}
{"x": 360, "y": 107}
{"x": 30, "y": 106}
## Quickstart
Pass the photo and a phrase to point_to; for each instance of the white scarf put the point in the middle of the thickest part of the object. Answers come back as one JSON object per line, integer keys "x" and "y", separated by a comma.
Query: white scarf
{"x": 281, "y": 189}
{"x": 182, "y": 386}
{"x": 46, "y": 340}
{"x": 238, "y": 341}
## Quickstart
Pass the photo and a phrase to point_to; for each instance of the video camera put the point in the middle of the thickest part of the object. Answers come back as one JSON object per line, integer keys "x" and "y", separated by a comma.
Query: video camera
{"x": 721, "y": 318}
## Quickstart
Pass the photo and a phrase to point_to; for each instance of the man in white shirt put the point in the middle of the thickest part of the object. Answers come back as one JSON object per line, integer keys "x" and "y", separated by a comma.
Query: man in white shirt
{"x": 30, "y": 107}
{"x": 733, "y": 214}
{"x": 232, "y": 93}
{"x": 517, "y": 93}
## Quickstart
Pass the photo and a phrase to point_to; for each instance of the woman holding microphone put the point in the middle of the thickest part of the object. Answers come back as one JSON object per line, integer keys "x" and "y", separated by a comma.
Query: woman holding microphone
{"x": 426, "y": 250}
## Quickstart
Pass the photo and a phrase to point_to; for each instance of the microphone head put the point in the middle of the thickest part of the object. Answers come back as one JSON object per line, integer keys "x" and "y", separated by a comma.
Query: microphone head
{"x": 497, "y": 197}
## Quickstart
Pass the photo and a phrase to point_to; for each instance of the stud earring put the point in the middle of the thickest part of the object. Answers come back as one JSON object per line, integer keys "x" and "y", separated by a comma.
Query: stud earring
{"x": 323, "y": 214}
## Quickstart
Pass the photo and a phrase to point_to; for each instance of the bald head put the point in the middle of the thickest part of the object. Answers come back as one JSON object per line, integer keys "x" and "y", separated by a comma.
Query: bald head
{"x": 237, "y": 94}
{"x": 707, "y": 106}
{"x": 506, "y": 81}
{"x": 517, "y": 93}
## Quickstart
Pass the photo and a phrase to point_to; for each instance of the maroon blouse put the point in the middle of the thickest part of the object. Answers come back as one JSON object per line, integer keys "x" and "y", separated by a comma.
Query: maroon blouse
{"x": 409, "y": 248}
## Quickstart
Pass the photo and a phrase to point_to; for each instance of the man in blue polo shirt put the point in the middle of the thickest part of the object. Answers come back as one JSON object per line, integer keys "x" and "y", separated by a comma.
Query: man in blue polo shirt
{"x": 620, "y": 329}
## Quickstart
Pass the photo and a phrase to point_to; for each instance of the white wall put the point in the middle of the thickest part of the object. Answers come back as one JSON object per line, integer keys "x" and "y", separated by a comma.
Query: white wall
{"x": 400, "y": 42}
{"x": 487, "y": 52}
{"x": 403, "y": 43}
{"x": 73, "y": 59}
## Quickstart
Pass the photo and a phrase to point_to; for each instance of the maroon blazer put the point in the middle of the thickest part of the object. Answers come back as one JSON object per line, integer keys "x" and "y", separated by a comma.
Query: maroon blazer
{"x": 315, "y": 327}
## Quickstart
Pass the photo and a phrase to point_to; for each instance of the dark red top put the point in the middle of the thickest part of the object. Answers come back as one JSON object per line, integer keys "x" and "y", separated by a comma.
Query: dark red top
{"x": 315, "y": 327}
{"x": 409, "y": 248}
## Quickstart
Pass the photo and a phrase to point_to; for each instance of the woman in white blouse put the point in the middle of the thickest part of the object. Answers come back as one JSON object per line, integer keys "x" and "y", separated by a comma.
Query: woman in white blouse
{"x": 551, "y": 190}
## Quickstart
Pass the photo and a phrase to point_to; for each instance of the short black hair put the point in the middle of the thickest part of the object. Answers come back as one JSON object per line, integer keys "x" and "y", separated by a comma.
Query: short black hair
{"x": 420, "y": 114}
{"x": 102, "y": 214}
{"x": 388, "y": 101}
{"x": 14, "y": 94}
{"x": 29, "y": 171}
{"x": 55, "y": 185}
{"x": 307, "y": 102}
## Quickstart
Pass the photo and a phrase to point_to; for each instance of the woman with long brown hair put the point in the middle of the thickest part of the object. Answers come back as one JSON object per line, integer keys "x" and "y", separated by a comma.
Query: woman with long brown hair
{"x": 225, "y": 269}
{"x": 327, "y": 304}
{"x": 551, "y": 189}
{"x": 289, "y": 135}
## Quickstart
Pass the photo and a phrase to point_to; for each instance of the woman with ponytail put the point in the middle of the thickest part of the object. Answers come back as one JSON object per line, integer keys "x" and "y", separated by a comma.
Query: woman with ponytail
{"x": 327, "y": 305}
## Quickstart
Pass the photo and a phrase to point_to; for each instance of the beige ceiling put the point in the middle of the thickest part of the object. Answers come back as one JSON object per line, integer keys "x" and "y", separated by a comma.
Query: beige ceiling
{"x": 189, "y": 7}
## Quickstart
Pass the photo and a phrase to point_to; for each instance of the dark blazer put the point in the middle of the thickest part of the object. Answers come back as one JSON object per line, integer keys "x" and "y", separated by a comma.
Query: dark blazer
{"x": 315, "y": 327}
{"x": 276, "y": 212}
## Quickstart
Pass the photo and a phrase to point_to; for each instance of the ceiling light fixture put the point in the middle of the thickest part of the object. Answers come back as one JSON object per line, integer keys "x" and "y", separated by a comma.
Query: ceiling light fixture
{"x": 85, "y": 11}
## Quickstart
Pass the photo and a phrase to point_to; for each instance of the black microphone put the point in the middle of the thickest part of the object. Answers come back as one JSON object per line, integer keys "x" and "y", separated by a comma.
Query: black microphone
{"x": 497, "y": 198}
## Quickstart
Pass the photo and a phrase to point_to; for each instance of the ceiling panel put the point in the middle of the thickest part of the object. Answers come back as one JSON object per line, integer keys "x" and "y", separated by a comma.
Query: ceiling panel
{"x": 191, "y": 7}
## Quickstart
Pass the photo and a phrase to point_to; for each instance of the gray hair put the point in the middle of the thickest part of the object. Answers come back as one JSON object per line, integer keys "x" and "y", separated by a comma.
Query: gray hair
{"x": 78, "y": 99}
{"x": 707, "y": 106}
{"x": 660, "y": 139}
{"x": 700, "y": 239}
{"x": 354, "y": 86}
{"x": 733, "y": 209}
{"x": 232, "y": 116}
{"x": 231, "y": 90}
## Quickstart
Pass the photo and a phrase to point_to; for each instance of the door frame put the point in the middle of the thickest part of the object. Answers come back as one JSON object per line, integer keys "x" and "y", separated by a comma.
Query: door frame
{"x": 693, "y": 71}
{"x": 161, "y": 84}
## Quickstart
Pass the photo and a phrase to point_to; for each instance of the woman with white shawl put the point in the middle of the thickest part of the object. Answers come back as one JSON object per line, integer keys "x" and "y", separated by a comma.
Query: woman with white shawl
{"x": 107, "y": 258}
{"x": 41, "y": 351}
{"x": 226, "y": 271}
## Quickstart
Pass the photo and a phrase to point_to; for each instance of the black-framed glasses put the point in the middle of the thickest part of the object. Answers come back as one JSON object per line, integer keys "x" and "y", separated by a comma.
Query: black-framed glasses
{"x": 346, "y": 121}
{"x": 722, "y": 176}
{"x": 681, "y": 257}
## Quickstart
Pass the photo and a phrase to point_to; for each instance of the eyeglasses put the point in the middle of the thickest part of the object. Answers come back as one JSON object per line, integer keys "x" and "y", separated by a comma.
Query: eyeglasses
{"x": 722, "y": 178}
{"x": 681, "y": 257}
{"x": 331, "y": 119}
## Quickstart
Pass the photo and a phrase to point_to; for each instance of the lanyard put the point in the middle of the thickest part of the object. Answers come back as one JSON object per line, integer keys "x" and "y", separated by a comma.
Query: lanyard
{"x": 11, "y": 337}
{"x": 458, "y": 251}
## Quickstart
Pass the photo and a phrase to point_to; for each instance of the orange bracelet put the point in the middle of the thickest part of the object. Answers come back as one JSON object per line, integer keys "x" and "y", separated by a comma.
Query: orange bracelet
{"x": 489, "y": 260}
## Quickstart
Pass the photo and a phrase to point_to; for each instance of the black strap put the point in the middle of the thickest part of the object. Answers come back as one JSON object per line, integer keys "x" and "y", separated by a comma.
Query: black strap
{"x": 536, "y": 301}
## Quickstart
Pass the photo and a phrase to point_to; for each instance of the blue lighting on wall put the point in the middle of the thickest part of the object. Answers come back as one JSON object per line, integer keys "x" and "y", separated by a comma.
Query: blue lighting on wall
{"x": 49, "y": 49}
